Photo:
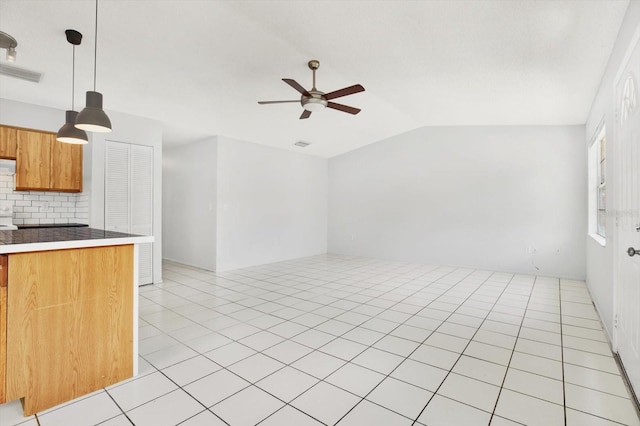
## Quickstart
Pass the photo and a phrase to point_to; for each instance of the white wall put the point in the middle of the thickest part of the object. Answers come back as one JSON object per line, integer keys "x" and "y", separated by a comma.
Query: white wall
{"x": 189, "y": 203}
{"x": 126, "y": 128}
{"x": 469, "y": 196}
{"x": 272, "y": 205}
{"x": 599, "y": 258}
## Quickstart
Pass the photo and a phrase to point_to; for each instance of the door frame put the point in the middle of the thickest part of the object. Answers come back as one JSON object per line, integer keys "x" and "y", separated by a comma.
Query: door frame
{"x": 617, "y": 186}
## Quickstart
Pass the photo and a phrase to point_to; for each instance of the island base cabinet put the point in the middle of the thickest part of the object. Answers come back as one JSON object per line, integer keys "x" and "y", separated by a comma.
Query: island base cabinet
{"x": 69, "y": 323}
{"x": 3, "y": 327}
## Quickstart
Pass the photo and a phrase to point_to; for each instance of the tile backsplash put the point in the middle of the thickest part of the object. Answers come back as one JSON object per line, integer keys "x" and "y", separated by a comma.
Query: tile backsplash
{"x": 36, "y": 207}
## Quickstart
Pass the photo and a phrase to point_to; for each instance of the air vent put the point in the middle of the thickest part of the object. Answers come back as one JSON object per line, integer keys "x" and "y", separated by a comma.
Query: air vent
{"x": 20, "y": 73}
{"x": 302, "y": 144}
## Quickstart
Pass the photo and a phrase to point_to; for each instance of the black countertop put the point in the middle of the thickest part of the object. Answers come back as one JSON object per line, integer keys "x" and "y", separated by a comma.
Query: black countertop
{"x": 52, "y": 225}
{"x": 58, "y": 234}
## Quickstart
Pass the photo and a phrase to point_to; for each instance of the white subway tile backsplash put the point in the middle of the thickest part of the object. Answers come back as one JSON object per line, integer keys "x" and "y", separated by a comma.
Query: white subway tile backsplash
{"x": 37, "y": 207}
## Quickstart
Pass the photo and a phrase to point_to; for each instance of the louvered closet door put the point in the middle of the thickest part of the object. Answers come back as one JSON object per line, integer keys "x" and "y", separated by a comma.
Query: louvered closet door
{"x": 129, "y": 197}
{"x": 142, "y": 206}
{"x": 116, "y": 190}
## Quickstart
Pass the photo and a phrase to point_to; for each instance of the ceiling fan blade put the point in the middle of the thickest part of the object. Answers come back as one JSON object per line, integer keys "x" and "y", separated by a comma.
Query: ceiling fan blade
{"x": 296, "y": 86}
{"x": 344, "y": 92}
{"x": 343, "y": 108}
{"x": 277, "y": 102}
{"x": 305, "y": 114}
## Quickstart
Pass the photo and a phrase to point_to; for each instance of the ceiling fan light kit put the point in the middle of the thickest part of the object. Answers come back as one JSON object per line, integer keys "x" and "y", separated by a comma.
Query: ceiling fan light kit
{"x": 68, "y": 133}
{"x": 93, "y": 118}
{"x": 314, "y": 100}
{"x": 9, "y": 43}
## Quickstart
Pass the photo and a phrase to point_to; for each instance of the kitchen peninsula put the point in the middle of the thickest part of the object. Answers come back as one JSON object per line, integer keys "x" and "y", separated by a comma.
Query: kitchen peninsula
{"x": 68, "y": 313}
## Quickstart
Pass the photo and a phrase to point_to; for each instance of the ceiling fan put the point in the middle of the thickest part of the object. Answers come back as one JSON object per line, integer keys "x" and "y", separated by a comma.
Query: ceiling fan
{"x": 315, "y": 100}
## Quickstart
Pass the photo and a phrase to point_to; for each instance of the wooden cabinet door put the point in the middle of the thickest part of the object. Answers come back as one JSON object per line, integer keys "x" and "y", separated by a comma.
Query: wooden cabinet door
{"x": 33, "y": 160}
{"x": 66, "y": 167}
{"x": 69, "y": 322}
{"x": 8, "y": 141}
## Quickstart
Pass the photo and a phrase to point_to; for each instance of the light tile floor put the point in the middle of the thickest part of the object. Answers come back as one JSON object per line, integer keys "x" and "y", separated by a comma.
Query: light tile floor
{"x": 352, "y": 341}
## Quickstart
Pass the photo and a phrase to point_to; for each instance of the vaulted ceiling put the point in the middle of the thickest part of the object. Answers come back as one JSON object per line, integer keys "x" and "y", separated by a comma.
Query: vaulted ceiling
{"x": 200, "y": 66}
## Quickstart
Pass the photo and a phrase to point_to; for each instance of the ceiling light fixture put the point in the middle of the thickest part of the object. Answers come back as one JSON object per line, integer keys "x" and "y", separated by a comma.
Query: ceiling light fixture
{"x": 9, "y": 43}
{"x": 68, "y": 133}
{"x": 93, "y": 118}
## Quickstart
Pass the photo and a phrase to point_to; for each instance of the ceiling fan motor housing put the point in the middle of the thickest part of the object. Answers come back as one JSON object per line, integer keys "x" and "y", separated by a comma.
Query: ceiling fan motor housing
{"x": 315, "y": 102}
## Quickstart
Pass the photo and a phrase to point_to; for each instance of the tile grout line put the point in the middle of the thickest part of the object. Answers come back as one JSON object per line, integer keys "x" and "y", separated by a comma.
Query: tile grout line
{"x": 524, "y": 315}
{"x": 564, "y": 386}
{"x": 462, "y": 352}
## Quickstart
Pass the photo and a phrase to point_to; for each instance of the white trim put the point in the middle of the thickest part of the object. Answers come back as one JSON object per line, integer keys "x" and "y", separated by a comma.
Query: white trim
{"x": 135, "y": 309}
{"x": 598, "y": 239}
{"x": 72, "y": 244}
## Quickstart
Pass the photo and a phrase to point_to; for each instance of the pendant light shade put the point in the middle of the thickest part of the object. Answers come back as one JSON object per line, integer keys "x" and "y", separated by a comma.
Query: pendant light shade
{"x": 93, "y": 118}
{"x": 68, "y": 132}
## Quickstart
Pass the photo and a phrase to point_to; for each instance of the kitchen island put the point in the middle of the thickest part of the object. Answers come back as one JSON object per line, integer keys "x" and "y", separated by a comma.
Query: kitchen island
{"x": 68, "y": 313}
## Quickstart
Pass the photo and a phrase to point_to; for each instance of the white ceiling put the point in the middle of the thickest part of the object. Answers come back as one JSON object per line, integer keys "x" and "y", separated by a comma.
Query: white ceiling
{"x": 200, "y": 66}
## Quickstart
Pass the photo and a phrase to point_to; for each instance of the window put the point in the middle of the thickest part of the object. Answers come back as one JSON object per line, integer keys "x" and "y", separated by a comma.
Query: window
{"x": 598, "y": 186}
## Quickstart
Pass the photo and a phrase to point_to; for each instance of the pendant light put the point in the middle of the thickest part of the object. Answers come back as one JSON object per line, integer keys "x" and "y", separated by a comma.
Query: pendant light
{"x": 93, "y": 118}
{"x": 68, "y": 133}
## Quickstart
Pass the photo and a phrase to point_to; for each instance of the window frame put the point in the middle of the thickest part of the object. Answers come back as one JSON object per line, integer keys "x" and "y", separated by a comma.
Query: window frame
{"x": 597, "y": 157}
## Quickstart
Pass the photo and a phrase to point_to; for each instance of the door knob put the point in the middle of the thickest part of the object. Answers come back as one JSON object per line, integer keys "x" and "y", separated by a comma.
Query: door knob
{"x": 631, "y": 251}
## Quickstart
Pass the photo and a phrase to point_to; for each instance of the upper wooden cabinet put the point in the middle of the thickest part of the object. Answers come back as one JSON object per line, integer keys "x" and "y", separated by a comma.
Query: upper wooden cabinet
{"x": 66, "y": 167}
{"x": 8, "y": 140}
{"x": 33, "y": 160}
{"x": 42, "y": 163}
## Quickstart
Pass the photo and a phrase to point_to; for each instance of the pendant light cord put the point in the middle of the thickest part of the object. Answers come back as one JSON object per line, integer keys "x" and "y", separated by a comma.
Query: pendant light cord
{"x": 73, "y": 78}
{"x": 95, "y": 50}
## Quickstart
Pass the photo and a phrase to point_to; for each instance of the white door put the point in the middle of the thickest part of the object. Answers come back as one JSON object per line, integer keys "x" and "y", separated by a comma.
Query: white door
{"x": 129, "y": 197}
{"x": 141, "y": 210}
{"x": 627, "y": 207}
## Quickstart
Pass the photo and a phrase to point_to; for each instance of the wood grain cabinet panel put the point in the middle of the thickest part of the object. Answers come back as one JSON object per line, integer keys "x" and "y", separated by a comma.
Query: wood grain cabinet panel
{"x": 8, "y": 142}
{"x": 33, "y": 160}
{"x": 69, "y": 323}
{"x": 66, "y": 167}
